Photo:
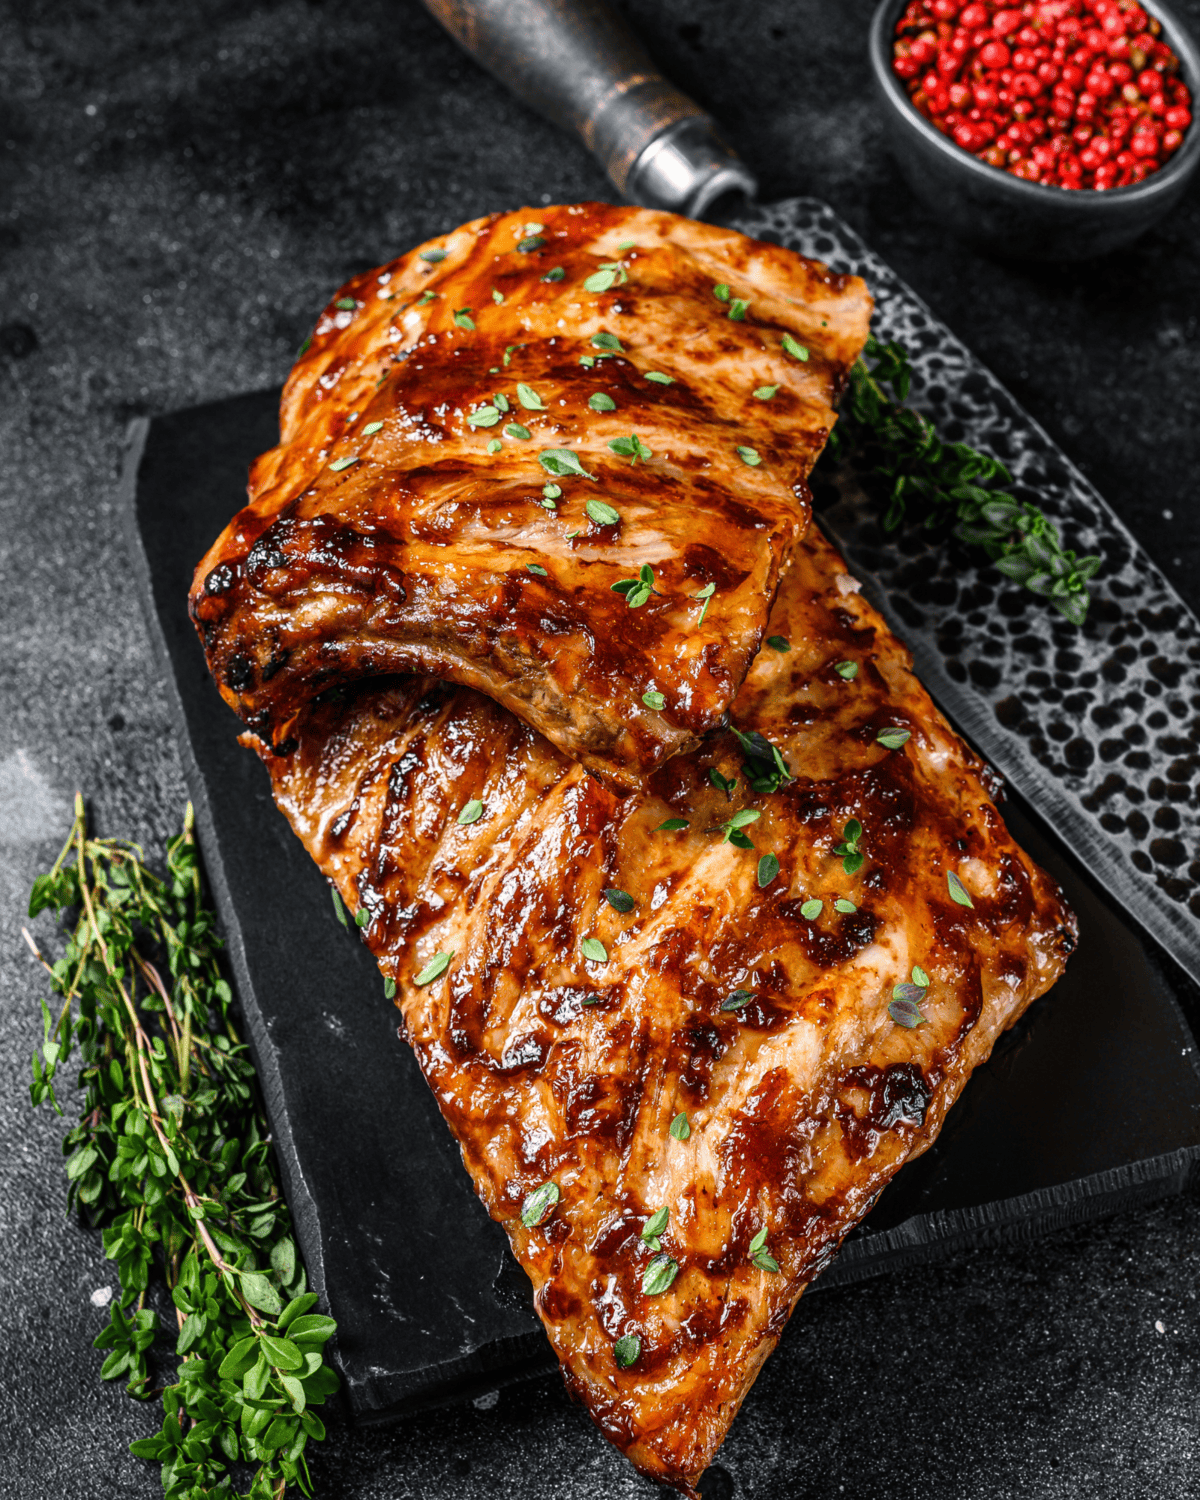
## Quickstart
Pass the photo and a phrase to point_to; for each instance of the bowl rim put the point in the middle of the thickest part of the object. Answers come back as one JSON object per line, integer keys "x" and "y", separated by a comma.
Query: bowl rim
{"x": 883, "y": 27}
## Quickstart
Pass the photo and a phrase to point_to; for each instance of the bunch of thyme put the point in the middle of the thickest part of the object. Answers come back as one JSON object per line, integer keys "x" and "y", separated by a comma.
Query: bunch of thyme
{"x": 172, "y": 1155}
{"x": 953, "y": 480}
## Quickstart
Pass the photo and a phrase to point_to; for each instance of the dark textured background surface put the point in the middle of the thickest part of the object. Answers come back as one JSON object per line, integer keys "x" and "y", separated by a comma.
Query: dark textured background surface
{"x": 180, "y": 189}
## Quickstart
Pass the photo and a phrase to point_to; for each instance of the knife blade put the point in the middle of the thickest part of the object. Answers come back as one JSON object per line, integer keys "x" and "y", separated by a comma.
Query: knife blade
{"x": 1098, "y": 726}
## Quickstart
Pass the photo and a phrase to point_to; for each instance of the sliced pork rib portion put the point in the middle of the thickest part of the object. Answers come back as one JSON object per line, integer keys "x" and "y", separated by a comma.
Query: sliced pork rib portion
{"x": 651, "y": 1017}
{"x": 669, "y": 382}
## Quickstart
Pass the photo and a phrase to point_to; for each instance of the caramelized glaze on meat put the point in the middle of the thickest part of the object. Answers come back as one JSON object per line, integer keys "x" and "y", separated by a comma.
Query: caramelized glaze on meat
{"x": 383, "y": 535}
{"x": 802, "y": 1102}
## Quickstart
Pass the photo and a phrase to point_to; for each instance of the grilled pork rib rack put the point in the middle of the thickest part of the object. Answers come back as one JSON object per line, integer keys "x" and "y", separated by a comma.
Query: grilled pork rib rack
{"x": 689, "y": 988}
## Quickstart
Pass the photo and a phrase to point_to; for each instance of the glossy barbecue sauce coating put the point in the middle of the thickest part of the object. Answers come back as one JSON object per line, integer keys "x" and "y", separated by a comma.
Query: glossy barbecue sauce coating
{"x": 717, "y": 998}
{"x": 1071, "y": 93}
{"x": 404, "y": 524}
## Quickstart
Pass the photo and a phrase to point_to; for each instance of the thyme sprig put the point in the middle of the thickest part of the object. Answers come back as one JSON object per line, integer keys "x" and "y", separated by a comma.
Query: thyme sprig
{"x": 172, "y": 1155}
{"x": 953, "y": 481}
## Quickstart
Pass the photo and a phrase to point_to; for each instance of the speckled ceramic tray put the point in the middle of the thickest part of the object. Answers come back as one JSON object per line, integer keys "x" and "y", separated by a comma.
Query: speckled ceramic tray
{"x": 1091, "y": 1103}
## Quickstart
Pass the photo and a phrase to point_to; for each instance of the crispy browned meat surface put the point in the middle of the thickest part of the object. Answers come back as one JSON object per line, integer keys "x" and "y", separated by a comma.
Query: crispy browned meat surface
{"x": 732, "y": 1004}
{"x": 383, "y": 535}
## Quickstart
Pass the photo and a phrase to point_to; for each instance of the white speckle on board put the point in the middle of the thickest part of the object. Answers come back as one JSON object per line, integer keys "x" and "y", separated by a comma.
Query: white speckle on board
{"x": 1160, "y": 1326}
{"x": 30, "y": 810}
{"x": 486, "y": 1401}
{"x": 102, "y": 1296}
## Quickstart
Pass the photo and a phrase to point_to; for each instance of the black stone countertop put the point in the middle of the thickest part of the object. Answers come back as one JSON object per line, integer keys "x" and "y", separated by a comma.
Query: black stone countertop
{"x": 181, "y": 187}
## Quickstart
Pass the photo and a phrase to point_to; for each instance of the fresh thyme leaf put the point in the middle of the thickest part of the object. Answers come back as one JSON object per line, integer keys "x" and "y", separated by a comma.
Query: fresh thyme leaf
{"x": 758, "y": 1242}
{"x": 500, "y": 401}
{"x": 362, "y": 917}
{"x": 515, "y": 430}
{"x": 765, "y": 768}
{"x": 706, "y": 594}
{"x": 462, "y": 316}
{"x": 631, "y": 447}
{"x": 425, "y": 298}
{"x": 389, "y": 989}
{"x": 626, "y": 1350}
{"x": 672, "y": 825}
{"x": 737, "y": 1000}
{"x": 721, "y": 292}
{"x": 587, "y": 361}
{"x": 551, "y": 491}
{"x": 844, "y": 906}
{"x": 768, "y": 868}
{"x": 846, "y": 669}
{"x": 741, "y": 819}
{"x": 560, "y": 462}
{"x": 626, "y": 245}
{"x": 371, "y": 428}
{"x": 636, "y": 590}
{"x": 778, "y": 643}
{"x": 497, "y": 296}
{"x": 172, "y": 1154}
{"x": 620, "y": 901}
{"x": 765, "y": 392}
{"x": 655, "y": 1224}
{"x": 509, "y": 350}
{"x": 724, "y": 784}
{"x": 765, "y": 1261}
{"x": 529, "y": 398}
{"x": 540, "y": 1204}
{"x": 737, "y": 309}
{"x": 659, "y": 378}
{"x": 432, "y": 256}
{"x": 348, "y": 304}
{"x": 654, "y": 700}
{"x": 556, "y": 273}
{"x": 602, "y": 513}
{"x": 893, "y": 737}
{"x": 600, "y": 281}
{"x": 495, "y": 445}
{"x": 953, "y": 481}
{"x": 958, "y": 891}
{"x": 680, "y": 1127}
{"x": 749, "y": 456}
{"x": 594, "y": 950}
{"x": 812, "y": 909}
{"x": 532, "y": 242}
{"x": 435, "y": 968}
{"x": 538, "y": 569}
{"x": 472, "y": 812}
{"x": 659, "y": 1275}
{"x": 852, "y": 856}
{"x": 906, "y": 1013}
{"x": 607, "y": 341}
{"x": 344, "y": 463}
{"x": 483, "y": 416}
{"x": 304, "y": 347}
{"x": 790, "y": 346}
{"x": 920, "y": 977}
{"x": 339, "y": 910}
{"x": 601, "y": 401}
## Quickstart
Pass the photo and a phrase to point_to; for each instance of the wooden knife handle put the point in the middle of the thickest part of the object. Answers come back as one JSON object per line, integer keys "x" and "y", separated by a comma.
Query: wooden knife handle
{"x": 577, "y": 62}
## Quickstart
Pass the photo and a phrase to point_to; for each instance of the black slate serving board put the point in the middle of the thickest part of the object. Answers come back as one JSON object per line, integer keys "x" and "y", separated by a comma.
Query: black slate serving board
{"x": 1090, "y": 1104}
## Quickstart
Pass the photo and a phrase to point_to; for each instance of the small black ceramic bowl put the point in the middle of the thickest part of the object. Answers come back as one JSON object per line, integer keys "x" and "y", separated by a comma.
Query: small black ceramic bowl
{"x": 997, "y": 211}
